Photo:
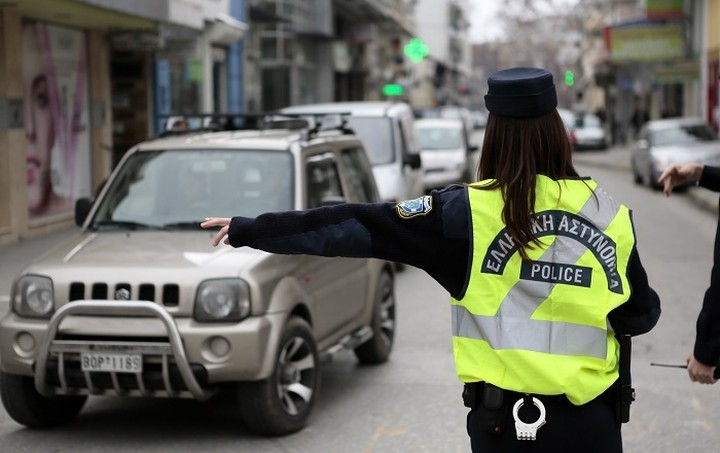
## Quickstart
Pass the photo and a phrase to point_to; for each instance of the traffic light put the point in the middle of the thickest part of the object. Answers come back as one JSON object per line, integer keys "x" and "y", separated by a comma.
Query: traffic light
{"x": 569, "y": 78}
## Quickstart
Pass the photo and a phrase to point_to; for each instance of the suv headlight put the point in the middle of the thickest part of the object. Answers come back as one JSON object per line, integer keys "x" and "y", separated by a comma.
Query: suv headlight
{"x": 222, "y": 300}
{"x": 33, "y": 297}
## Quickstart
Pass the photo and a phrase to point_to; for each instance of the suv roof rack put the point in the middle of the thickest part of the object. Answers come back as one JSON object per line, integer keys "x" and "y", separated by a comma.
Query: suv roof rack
{"x": 310, "y": 123}
{"x": 316, "y": 122}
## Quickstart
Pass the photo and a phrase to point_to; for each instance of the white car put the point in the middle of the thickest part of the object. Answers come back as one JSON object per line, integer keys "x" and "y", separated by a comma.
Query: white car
{"x": 589, "y": 133}
{"x": 386, "y": 130}
{"x": 444, "y": 151}
{"x": 669, "y": 141}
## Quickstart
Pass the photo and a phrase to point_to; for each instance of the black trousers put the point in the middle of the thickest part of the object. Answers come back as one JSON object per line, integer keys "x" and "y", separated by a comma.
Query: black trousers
{"x": 568, "y": 428}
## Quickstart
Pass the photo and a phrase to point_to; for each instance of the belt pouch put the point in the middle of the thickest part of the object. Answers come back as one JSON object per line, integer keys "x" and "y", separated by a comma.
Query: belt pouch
{"x": 493, "y": 409}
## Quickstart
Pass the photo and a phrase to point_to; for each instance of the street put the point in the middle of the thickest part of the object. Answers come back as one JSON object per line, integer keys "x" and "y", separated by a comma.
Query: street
{"x": 412, "y": 403}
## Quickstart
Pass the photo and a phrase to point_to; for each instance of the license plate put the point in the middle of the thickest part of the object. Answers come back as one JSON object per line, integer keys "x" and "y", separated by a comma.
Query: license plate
{"x": 111, "y": 362}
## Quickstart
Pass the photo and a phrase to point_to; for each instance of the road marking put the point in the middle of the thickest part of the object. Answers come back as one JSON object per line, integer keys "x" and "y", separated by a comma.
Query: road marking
{"x": 380, "y": 433}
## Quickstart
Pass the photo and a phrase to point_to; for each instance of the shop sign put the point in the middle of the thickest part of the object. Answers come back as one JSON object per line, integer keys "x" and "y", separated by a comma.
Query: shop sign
{"x": 341, "y": 56}
{"x": 664, "y": 9}
{"x": 646, "y": 42}
{"x": 677, "y": 72}
{"x": 137, "y": 40}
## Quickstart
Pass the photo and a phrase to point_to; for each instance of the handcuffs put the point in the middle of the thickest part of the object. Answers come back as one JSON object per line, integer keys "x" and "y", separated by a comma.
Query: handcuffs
{"x": 528, "y": 431}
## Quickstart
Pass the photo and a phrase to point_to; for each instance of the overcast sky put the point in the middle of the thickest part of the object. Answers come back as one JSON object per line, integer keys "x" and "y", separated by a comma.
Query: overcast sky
{"x": 482, "y": 16}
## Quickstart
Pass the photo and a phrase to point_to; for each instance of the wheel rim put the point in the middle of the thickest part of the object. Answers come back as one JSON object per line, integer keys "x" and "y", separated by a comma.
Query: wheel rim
{"x": 387, "y": 315}
{"x": 297, "y": 373}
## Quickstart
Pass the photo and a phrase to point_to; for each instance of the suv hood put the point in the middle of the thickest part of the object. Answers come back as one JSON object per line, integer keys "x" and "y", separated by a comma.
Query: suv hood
{"x": 145, "y": 249}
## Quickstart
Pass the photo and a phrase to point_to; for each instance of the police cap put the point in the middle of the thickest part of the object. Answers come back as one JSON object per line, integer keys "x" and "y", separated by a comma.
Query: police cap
{"x": 521, "y": 93}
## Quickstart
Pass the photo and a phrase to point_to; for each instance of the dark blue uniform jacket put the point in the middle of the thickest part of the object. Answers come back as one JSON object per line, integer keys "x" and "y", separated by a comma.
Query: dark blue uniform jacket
{"x": 707, "y": 337}
{"x": 437, "y": 242}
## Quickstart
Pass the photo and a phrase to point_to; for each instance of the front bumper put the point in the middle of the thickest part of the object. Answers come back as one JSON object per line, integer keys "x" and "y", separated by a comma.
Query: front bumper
{"x": 181, "y": 357}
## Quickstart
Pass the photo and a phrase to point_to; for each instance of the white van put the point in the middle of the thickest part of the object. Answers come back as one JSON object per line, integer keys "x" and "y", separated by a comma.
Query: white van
{"x": 387, "y": 130}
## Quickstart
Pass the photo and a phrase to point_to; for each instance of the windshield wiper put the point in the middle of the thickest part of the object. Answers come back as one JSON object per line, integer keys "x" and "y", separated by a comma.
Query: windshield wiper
{"x": 184, "y": 225}
{"x": 123, "y": 225}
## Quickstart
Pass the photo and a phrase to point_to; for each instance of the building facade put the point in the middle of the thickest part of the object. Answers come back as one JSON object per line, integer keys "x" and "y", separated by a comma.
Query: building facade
{"x": 444, "y": 76}
{"x": 82, "y": 81}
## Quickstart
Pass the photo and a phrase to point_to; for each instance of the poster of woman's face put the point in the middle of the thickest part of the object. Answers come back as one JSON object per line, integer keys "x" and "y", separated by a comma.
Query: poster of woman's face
{"x": 55, "y": 117}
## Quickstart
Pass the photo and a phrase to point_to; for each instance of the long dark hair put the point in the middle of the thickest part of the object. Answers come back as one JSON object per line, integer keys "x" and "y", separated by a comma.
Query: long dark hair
{"x": 514, "y": 151}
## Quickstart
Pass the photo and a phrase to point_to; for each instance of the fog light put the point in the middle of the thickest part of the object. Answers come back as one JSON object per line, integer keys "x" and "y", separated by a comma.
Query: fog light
{"x": 219, "y": 346}
{"x": 25, "y": 343}
{"x": 216, "y": 349}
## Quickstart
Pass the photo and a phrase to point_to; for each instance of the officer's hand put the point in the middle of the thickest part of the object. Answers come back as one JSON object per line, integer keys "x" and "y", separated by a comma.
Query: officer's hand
{"x": 223, "y": 223}
{"x": 699, "y": 372}
{"x": 679, "y": 174}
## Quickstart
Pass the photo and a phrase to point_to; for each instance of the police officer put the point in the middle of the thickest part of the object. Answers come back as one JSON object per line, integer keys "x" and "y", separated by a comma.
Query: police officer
{"x": 540, "y": 263}
{"x": 706, "y": 351}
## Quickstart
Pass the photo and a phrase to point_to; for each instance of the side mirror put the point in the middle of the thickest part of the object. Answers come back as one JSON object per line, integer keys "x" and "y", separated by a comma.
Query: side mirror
{"x": 82, "y": 209}
{"x": 642, "y": 144}
{"x": 413, "y": 159}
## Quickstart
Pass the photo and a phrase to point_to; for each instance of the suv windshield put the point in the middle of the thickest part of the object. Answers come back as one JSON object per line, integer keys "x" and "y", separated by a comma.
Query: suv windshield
{"x": 376, "y": 135}
{"x": 177, "y": 189}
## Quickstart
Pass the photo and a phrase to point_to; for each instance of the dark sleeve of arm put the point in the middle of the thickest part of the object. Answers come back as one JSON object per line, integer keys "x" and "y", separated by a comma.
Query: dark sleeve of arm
{"x": 710, "y": 178}
{"x": 707, "y": 337}
{"x": 361, "y": 231}
{"x": 642, "y": 311}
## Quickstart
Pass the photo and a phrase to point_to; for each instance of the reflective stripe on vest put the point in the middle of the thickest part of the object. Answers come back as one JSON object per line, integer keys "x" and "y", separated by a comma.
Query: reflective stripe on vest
{"x": 587, "y": 239}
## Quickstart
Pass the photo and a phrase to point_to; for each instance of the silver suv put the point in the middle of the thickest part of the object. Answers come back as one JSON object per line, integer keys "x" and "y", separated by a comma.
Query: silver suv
{"x": 141, "y": 304}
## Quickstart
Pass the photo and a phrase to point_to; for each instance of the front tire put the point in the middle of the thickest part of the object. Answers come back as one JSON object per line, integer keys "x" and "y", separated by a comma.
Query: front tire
{"x": 28, "y": 407}
{"x": 377, "y": 349}
{"x": 282, "y": 403}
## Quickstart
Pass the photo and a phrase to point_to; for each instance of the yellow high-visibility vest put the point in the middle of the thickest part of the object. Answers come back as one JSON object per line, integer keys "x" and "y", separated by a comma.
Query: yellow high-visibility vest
{"x": 540, "y": 325}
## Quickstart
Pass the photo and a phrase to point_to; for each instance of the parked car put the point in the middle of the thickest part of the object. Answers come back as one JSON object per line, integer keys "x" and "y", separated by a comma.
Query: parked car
{"x": 141, "y": 304}
{"x": 675, "y": 140}
{"x": 444, "y": 150}
{"x": 386, "y": 128}
{"x": 588, "y": 132}
{"x": 585, "y": 130}
{"x": 479, "y": 119}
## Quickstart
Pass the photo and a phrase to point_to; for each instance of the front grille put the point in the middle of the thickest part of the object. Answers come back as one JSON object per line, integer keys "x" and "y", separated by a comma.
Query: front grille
{"x": 170, "y": 293}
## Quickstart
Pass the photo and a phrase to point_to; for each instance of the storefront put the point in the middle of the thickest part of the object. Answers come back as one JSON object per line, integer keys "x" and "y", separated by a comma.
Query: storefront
{"x": 55, "y": 101}
{"x": 81, "y": 81}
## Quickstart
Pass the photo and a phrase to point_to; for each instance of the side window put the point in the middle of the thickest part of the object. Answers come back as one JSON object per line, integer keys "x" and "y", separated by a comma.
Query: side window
{"x": 323, "y": 181}
{"x": 359, "y": 174}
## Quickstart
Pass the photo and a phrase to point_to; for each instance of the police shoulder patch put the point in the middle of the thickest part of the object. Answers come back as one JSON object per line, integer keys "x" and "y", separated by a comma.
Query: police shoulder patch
{"x": 415, "y": 207}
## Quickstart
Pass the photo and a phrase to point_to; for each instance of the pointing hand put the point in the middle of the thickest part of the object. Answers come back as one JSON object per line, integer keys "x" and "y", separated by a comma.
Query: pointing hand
{"x": 679, "y": 174}
{"x": 223, "y": 223}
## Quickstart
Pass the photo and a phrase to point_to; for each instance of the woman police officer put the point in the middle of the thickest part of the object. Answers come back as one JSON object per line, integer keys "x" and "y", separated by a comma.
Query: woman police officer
{"x": 541, "y": 266}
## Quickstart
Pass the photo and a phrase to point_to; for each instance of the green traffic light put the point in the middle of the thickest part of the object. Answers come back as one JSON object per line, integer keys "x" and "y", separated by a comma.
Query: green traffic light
{"x": 569, "y": 78}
